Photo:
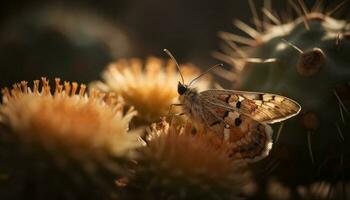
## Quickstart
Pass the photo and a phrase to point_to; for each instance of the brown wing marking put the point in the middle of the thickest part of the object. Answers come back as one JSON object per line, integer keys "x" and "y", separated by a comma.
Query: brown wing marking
{"x": 248, "y": 140}
{"x": 251, "y": 141}
{"x": 214, "y": 119}
{"x": 267, "y": 108}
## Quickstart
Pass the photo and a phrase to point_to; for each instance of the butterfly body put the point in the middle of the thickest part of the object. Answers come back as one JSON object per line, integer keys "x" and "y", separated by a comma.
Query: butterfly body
{"x": 239, "y": 118}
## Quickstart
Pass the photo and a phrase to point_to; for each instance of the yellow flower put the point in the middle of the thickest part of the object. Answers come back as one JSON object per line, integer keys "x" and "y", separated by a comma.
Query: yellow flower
{"x": 68, "y": 119}
{"x": 178, "y": 163}
{"x": 150, "y": 88}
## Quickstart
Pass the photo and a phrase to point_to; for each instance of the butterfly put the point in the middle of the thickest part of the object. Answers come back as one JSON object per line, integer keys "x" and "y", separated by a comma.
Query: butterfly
{"x": 240, "y": 118}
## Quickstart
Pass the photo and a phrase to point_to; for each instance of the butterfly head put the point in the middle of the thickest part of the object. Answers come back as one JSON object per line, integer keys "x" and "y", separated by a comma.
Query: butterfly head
{"x": 181, "y": 88}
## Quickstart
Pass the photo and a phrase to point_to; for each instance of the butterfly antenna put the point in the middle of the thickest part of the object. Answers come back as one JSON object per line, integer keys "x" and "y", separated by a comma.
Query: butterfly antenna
{"x": 211, "y": 68}
{"x": 177, "y": 64}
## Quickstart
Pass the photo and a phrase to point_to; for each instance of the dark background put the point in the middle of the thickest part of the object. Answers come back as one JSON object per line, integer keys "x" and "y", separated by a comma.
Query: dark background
{"x": 75, "y": 40}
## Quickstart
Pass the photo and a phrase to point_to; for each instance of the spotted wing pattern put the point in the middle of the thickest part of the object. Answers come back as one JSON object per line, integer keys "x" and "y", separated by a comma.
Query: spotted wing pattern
{"x": 262, "y": 107}
{"x": 240, "y": 119}
{"x": 246, "y": 138}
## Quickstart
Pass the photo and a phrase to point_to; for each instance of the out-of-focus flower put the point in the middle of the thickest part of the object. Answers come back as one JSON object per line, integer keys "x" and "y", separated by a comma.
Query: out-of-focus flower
{"x": 278, "y": 191}
{"x": 150, "y": 87}
{"x": 65, "y": 131}
{"x": 181, "y": 164}
{"x": 323, "y": 190}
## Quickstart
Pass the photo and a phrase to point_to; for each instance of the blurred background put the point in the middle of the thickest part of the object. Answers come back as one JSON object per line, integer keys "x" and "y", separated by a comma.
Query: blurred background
{"x": 76, "y": 40}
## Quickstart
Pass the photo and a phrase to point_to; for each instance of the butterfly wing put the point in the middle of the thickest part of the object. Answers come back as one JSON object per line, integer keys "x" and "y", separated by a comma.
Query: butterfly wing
{"x": 262, "y": 107}
{"x": 241, "y": 118}
{"x": 246, "y": 138}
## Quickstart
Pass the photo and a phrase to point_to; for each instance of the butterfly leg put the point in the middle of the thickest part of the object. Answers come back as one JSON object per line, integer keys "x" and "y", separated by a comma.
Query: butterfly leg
{"x": 178, "y": 114}
{"x": 171, "y": 116}
{"x": 171, "y": 107}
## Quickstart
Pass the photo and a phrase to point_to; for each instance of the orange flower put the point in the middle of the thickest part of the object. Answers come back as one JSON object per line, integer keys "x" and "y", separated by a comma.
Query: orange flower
{"x": 181, "y": 163}
{"x": 150, "y": 88}
{"x": 68, "y": 120}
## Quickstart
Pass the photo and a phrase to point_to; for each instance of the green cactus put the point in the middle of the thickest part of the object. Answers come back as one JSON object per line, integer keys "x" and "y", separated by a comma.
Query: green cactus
{"x": 306, "y": 59}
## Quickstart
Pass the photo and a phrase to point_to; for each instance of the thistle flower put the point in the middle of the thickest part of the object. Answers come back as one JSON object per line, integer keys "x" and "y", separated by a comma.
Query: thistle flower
{"x": 150, "y": 88}
{"x": 68, "y": 135}
{"x": 178, "y": 164}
